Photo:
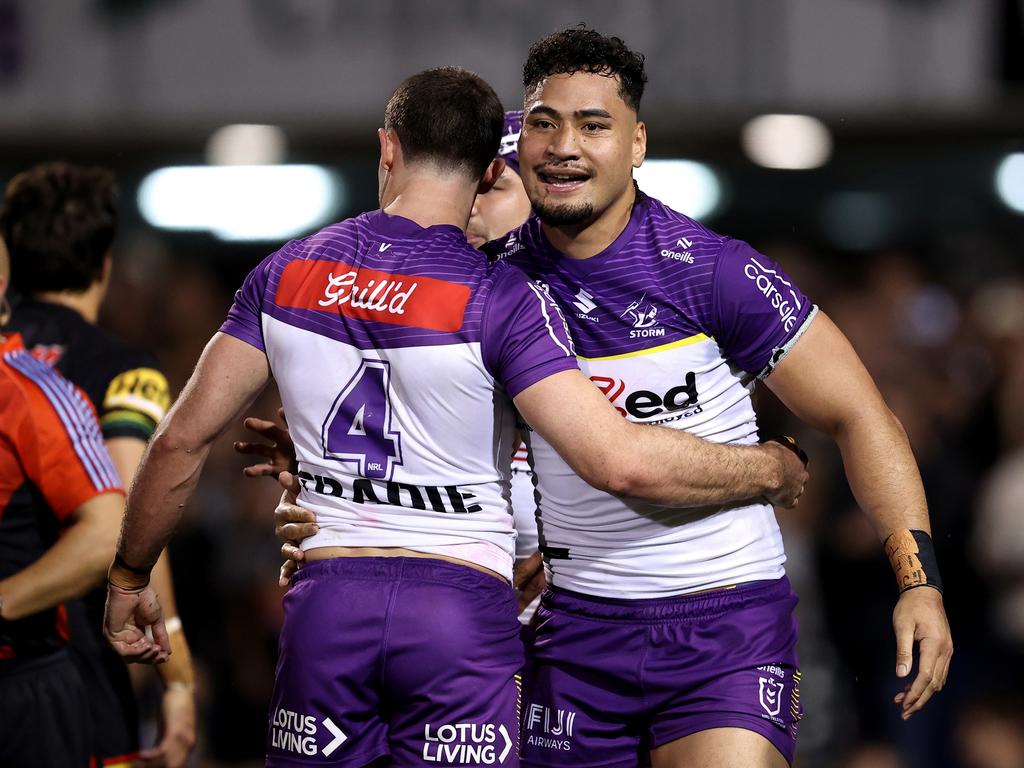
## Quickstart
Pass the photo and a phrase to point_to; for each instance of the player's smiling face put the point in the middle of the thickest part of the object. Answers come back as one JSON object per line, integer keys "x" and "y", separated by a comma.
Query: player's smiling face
{"x": 579, "y": 144}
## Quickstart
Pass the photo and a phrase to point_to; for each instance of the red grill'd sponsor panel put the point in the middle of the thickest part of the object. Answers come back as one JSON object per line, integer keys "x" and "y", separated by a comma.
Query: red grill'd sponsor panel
{"x": 366, "y": 294}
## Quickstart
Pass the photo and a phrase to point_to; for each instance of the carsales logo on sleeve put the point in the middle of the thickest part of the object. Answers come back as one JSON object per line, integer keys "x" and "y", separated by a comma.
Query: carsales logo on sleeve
{"x": 774, "y": 287}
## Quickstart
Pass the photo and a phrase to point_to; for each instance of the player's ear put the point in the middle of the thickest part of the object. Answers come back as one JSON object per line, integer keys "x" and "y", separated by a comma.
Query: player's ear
{"x": 491, "y": 176}
{"x": 387, "y": 148}
{"x": 639, "y": 144}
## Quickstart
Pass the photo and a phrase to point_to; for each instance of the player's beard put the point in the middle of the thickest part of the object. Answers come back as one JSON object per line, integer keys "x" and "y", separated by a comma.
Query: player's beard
{"x": 564, "y": 214}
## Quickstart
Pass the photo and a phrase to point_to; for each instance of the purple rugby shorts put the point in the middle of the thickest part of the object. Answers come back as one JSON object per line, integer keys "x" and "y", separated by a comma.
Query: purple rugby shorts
{"x": 613, "y": 679}
{"x": 411, "y": 658}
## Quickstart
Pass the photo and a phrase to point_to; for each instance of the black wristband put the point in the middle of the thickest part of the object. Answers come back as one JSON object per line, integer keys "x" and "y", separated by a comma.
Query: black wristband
{"x": 912, "y": 557}
{"x": 120, "y": 562}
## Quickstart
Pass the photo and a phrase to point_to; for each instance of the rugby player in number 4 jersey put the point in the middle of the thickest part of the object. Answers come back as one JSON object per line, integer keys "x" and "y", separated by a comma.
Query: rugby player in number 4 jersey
{"x": 398, "y": 351}
{"x": 662, "y": 629}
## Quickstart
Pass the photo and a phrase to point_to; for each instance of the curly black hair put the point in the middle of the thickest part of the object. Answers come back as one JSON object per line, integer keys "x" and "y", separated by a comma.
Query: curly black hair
{"x": 59, "y": 221}
{"x": 578, "y": 49}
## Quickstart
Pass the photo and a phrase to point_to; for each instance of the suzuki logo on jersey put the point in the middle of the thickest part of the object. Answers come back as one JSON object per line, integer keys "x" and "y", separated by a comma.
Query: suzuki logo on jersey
{"x": 366, "y": 294}
{"x": 466, "y": 744}
{"x": 784, "y": 300}
{"x": 643, "y": 316}
{"x": 584, "y": 302}
{"x": 643, "y": 403}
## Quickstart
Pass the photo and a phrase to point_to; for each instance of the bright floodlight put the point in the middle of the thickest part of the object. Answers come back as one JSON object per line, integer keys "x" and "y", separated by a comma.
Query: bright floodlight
{"x": 1010, "y": 181}
{"x": 788, "y": 142}
{"x": 683, "y": 185}
{"x": 242, "y": 202}
{"x": 247, "y": 145}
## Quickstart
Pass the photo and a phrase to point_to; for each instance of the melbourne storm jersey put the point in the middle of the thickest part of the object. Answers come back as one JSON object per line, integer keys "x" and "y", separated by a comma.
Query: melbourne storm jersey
{"x": 674, "y": 323}
{"x": 396, "y": 350}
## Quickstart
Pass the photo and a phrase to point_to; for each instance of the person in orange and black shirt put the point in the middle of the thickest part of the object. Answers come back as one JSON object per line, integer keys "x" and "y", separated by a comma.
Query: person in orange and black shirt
{"x": 60, "y": 511}
{"x": 59, "y": 221}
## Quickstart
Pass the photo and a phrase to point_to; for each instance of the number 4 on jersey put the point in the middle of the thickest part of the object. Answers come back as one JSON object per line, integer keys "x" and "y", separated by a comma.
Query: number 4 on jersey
{"x": 358, "y": 427}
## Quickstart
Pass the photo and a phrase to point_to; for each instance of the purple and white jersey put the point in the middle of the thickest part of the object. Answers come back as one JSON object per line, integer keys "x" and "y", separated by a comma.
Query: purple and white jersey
{"x": 397, "y": 350}
{"x": 674, "y": 323}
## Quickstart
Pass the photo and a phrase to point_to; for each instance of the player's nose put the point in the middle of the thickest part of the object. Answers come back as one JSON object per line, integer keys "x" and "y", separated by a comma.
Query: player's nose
{"x": 564, "y": 143}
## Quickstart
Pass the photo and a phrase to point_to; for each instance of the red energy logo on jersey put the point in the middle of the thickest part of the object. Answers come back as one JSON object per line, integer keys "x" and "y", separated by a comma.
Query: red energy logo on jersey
{"x": 611, "y": 388}
{"x": 366, "y": 294}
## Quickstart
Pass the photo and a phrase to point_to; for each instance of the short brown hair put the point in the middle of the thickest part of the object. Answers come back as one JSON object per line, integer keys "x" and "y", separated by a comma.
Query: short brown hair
{"x": 59, "y": 221}
{"x": 448, "y": 116}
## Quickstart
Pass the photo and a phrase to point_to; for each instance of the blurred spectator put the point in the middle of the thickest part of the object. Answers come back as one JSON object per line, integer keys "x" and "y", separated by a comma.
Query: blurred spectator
{"x": 990, "y": 734}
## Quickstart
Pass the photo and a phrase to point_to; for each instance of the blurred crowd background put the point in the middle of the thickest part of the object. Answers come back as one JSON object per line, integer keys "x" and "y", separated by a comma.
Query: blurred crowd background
{"x": 899, "y": 208}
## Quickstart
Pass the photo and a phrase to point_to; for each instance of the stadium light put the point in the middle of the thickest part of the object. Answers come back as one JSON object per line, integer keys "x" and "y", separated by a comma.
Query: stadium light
{"x": 1010, "y": 181}
{"x": 242, "y": 202}
{"x": 683, "y": 185}
{"x": 247, "y": 144}
{"x": 787, "y": 142}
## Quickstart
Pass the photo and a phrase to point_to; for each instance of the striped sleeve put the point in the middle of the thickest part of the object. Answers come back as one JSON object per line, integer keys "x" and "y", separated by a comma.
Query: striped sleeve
{"x": 66, "y": 459}
{"x": 525, "y": 338}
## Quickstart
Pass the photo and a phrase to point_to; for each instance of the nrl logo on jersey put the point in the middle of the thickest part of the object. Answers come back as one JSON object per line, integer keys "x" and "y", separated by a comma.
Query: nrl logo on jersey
{"x": 643, "y": 315}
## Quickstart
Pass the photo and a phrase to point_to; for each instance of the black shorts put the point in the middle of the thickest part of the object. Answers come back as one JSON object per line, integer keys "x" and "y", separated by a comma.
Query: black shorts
{"x": 44, "y": 714}
{"x": 114, "y": 714}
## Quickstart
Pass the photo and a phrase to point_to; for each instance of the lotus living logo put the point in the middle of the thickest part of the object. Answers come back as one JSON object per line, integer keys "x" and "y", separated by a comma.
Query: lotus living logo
{"x": 466, "y": 744}
{"x": 297, "y": 732}
{"x": 784, "y": 299}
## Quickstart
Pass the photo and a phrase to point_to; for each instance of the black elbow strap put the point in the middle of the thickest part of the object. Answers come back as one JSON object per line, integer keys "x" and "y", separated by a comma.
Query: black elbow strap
{"x": 912, "y": 557}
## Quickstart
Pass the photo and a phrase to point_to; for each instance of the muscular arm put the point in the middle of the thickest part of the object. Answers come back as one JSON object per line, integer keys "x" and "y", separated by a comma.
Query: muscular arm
{"x": 823, "y": 381}
{"x": 74, "y": 565}
{"x": 665, "y": 466}
{"x": 230, "y": 373}
{"x": 178, "y": 733}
